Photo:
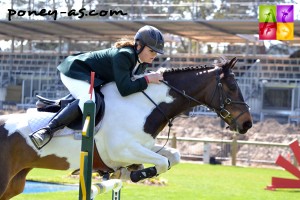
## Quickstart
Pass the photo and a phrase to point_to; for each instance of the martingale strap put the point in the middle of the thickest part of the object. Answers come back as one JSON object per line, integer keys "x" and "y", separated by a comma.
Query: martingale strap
{"x": 170, "y": 124}
{"x": 169, "y": 121}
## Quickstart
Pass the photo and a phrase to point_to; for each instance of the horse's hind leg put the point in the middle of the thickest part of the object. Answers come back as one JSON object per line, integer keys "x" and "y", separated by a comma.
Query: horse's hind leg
{"x": 16, "y": 185}
{"x": 4, "y": 182}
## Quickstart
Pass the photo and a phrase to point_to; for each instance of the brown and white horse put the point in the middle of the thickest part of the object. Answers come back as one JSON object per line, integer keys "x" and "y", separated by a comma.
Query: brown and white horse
{"x": 128, "y": 129}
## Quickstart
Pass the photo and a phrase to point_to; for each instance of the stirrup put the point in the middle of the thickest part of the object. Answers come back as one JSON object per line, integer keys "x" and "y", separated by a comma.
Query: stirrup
{"x": 38, "y": 141}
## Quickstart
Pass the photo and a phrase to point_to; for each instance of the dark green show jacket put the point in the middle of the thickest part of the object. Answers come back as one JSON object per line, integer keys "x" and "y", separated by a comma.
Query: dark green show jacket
{"x": 109, "y": 65}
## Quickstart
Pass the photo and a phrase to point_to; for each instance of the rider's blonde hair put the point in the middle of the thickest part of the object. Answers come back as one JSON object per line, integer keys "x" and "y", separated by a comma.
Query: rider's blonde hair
{"x": 124, "y": 42}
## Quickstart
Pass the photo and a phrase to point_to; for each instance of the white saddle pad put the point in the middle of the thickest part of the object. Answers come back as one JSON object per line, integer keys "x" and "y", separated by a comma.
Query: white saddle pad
{"x": 38, "y": 120}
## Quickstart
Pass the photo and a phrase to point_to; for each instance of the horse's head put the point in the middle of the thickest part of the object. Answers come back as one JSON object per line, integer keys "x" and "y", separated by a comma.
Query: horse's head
{"x": 214, "y": 87}
{"x": 227, "y": 100}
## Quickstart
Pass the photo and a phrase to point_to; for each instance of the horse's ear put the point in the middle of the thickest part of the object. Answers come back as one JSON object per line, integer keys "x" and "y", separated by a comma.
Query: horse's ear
{"x": 232, "y": 62}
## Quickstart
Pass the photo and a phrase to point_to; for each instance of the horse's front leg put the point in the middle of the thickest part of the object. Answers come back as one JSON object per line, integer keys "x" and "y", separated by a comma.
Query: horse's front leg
{"x": 172, "y": 154}
{"x": 137, "y": 154}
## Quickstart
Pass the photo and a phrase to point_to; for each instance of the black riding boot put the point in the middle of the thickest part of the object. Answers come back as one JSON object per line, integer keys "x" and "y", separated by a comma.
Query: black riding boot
{"x": 63, "y": 118}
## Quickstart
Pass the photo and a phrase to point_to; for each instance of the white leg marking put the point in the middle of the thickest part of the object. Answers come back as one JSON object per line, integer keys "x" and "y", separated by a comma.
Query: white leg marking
{"x": 172, "y": 154}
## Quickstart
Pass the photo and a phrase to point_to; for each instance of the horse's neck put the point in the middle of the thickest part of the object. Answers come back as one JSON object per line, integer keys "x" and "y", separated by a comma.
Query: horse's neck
{"x": 194, "y": 84}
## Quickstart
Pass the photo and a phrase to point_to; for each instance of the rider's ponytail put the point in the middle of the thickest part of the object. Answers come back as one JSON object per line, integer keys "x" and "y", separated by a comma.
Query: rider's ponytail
{"x": 124, "y": 42}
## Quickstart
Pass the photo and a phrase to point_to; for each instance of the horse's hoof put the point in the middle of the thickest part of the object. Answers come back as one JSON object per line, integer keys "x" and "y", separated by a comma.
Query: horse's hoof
{"x": 116, "y": 175}
{"x": 135, "y": 167}
{"x": 122, "y": 174}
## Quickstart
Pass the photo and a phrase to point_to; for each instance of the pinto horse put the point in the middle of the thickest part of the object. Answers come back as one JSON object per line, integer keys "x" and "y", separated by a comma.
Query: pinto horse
{"x": 129, "y": 127}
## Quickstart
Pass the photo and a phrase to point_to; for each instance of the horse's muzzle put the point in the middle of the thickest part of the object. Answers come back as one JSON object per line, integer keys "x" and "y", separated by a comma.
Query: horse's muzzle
{"x": 246, "y": 126}
{"x": 243, "y": 129}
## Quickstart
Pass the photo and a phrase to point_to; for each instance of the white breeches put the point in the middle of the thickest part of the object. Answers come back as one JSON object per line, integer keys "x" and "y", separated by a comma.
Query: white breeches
{"x": 78, "y": 88}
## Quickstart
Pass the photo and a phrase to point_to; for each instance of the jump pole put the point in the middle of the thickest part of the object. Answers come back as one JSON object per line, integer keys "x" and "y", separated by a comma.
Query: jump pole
{"x": 87, "y": 191}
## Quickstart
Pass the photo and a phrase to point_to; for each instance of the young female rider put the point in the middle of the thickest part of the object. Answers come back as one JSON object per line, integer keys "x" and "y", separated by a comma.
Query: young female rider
{"x": 117, "y": 64}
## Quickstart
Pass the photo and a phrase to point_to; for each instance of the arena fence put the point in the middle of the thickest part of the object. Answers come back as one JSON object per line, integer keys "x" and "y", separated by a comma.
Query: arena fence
{"x": 239, "y": 150}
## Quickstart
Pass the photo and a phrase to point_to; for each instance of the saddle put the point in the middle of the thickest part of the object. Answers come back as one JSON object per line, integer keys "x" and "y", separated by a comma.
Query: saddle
{"x": 48, "y": 105}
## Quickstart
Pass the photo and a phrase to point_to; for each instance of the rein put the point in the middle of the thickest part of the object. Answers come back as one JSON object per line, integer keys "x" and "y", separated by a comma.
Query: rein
{"x": 182, "y": 93}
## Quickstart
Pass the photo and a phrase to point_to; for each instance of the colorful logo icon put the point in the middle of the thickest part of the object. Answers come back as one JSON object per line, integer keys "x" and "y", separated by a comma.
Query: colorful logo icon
{"x": 276, "y": 22}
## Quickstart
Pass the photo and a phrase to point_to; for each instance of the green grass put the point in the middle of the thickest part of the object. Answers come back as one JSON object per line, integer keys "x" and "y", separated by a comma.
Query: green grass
{"x": 185, "y": 182}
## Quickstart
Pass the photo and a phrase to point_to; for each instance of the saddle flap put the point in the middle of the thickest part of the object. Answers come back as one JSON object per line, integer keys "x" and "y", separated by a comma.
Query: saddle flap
{"x": 77, "y": 124}
{"x": 47, "y": 105}
{"x": 63, "y": 101}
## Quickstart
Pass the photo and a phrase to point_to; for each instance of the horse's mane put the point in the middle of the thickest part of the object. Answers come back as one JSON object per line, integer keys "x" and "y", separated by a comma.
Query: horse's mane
{"x": 216, "y": 64}
{"x": 188, "y": 68}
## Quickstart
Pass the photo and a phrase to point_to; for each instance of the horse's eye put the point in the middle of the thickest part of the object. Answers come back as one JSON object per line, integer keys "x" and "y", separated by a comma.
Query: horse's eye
{"x": 231, "y": 83}
{"x": 232, "y": 87}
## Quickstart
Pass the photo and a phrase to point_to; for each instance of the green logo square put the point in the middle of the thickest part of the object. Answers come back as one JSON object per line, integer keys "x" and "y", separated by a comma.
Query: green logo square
{"x": 267, "y": 13}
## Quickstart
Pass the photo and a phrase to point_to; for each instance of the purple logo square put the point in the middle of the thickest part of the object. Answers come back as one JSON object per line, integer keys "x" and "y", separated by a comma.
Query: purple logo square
{"x": 285, "y": 13}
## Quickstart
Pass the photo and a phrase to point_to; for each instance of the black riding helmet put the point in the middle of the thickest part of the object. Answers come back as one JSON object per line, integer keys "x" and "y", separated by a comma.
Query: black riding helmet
{"x": 151, "y": 37}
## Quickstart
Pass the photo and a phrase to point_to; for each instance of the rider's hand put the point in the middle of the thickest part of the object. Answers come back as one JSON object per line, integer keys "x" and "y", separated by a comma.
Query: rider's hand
{"x": 154, "y": 77}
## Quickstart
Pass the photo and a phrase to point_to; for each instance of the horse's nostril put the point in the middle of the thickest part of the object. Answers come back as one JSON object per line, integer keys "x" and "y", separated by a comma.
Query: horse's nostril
{"x": 247, "y": 125}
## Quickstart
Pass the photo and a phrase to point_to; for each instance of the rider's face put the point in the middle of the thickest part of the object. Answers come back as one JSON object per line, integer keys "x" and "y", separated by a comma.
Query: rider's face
{"x": 147, "y": 55}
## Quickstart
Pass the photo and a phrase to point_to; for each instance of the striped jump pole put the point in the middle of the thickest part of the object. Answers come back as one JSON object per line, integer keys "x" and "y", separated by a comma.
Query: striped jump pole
{"x": 113, "y": 185}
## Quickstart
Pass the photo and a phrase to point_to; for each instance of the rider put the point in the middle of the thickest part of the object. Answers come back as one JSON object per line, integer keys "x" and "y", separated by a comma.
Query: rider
{"x": 118, "y": 64}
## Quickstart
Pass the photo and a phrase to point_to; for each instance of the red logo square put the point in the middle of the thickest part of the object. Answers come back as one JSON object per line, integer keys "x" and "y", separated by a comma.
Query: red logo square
{"x": 267, "y": 31}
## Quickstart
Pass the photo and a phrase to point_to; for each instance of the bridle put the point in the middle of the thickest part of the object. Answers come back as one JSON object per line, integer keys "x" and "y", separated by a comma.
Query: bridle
{"x": 221, "y": 111}
{"x": 224, "y": 101}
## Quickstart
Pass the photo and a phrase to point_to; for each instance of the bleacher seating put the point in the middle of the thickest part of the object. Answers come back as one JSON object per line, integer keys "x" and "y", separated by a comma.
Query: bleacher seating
{"x": 31, "y": 71}
{"x": 37, "y": 74}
